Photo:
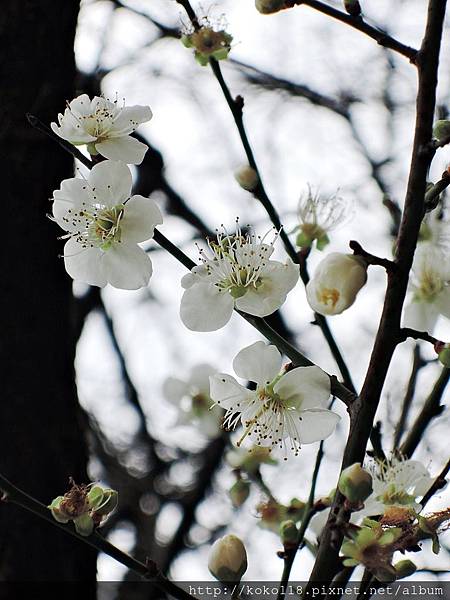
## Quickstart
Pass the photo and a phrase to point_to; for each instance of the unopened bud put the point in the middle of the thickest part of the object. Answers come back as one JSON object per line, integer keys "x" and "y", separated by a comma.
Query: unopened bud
{"x": 353, "y": 7}
{"x": 355, "y": 483}
{"x": 441, "y": 130}
{"x": 336, "y": 283}
{"x": 267, "y": 7}
{"x": 443, "y": 352}
{"x": 247, "y": 178}
{"x": 288, "y": 534}
{"x": 405, "y": 568}
{"x": 228, "y": 559}
{"x": 239, "y": 492}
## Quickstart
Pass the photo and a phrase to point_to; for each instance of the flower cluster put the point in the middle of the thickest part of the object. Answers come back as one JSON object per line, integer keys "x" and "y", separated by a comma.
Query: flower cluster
{"x": 86, "y": 505}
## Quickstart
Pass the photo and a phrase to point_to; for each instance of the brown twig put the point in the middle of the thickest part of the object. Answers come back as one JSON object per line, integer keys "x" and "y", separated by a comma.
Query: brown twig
{"x": 381, "y": 37}
{"x": 371, "y": 259}
{"x": 364, "y": 409}
{"x": 437, "y": 485}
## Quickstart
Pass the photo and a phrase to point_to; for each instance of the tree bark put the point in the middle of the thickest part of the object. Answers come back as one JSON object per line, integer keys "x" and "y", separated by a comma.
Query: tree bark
{"x": 42, "y": 441}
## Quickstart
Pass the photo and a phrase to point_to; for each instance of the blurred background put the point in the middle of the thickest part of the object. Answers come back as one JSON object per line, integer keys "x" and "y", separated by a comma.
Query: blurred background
{"x": 324, "y": 106}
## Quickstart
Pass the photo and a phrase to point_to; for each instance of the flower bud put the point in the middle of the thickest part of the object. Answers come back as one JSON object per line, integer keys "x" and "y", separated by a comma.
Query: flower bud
{"x": 405, "y": 568}
{"x": 288, "y": 534}
{"x": 336, "y": 283}
{"x": 443, "y": 352}
{"x": 239, "y": 492}
{"x": 228, "y": 559}
{"x": 267, "y": 7}
{"x": 247, "y": 178}
{"x": 441, "y": 130}
{"x": 355, "y": 483}
{"x": 353, "y": 7}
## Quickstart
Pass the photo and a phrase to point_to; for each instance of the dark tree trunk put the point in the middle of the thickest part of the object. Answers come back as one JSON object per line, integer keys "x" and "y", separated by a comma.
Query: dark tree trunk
{"x": 41, "y": 433}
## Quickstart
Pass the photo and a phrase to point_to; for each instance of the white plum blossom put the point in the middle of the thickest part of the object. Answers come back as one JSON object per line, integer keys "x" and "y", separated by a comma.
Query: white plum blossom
{"x": 397, "y": 482}
{"x": 429, "y": 287}
{"x": 237, "y": 274}
{"x": 104, "y": 225}
{"x": 336, "y": 283}
{"x": 286, "y": 409}
{"x": 192, "y": 400}
{"x": 318, "y": 215}
{"x": 104, "y": 127}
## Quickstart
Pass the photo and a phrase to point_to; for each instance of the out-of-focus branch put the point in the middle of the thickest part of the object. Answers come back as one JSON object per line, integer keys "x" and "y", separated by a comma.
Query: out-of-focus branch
{"x": 418, "y": 363}
{"x": 381, "y": 37}
{"x": 364, "y": 408}
{"x": 431, "y": 409}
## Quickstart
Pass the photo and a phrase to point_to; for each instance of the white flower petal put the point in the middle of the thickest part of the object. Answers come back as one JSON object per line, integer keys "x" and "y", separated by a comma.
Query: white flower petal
{"x": 259, "y": 363}
{"x": 84, "y": 264}
{"x": 205, "y": 308}
{"x": 197, "y": 273}
{"x": 110, "y": 182}
{"x": 304, "y": 387}
{"x": 140, "y": 217}
{"x": 421, "y": 316}
{"x": 72, "y": 194}
{"x": 316, "y": 424}
{"x": 174, "y": 390}
{"x": 72, "y": 132}
{"x": 127, "y": 266}
{"x": 126, "y": 149}
{"x": 277, "y": 279}
{"x": 227, "y": 392}
{"x": 81, "y": 105}
{"x": 129, "y": 118}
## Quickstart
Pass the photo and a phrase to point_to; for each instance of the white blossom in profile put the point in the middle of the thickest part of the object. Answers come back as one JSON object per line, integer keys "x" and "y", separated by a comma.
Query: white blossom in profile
{"x": 105, "y": 127}
{"x": 286, "y": 409}
{"x": 236, "y": 273}
{"x": 397, "y": 482}
{"x": 104, "y": 225}
{"x": 429, "y": 287}
{"x": 336, "y": 282}
{"x": 318, "y": 215}
{"x": 192, "y": 400}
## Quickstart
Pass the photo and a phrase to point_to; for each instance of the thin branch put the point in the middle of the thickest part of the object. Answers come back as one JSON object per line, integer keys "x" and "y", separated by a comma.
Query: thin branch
{"x": 407, "y": 332}
{"x": 37, "y": 124}
{"x": 364, "y": 408}
{"x": 371, "y": 259}
{"x": 236, "y": 106}
{"x": 418, "y": 363}
{"x": 437, "y": 485}
{"x": 308, "y": 513}
{"x": 380, "y": 36}
{"x": 148, "y": 571}
{"x": 432, "y": 195}
{"x": 431, "y": 409}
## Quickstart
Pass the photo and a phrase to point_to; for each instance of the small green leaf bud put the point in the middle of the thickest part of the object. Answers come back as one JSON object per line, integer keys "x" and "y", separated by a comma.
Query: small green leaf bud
{"x": 443, "y": 352}
{"x": 355, "y": 483}
{"x": 84, "y": 524}
{"x": 288, "y": 534}
{"x": 353, "y": 7}
{"x": 441, "y": 130}
{"x": 267, "y": 7}
{"x": 239, "y": 492}
{"x": 228, "y": 559}
{"x": 404, "y": 568}
{"x": 247, "y": 178}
